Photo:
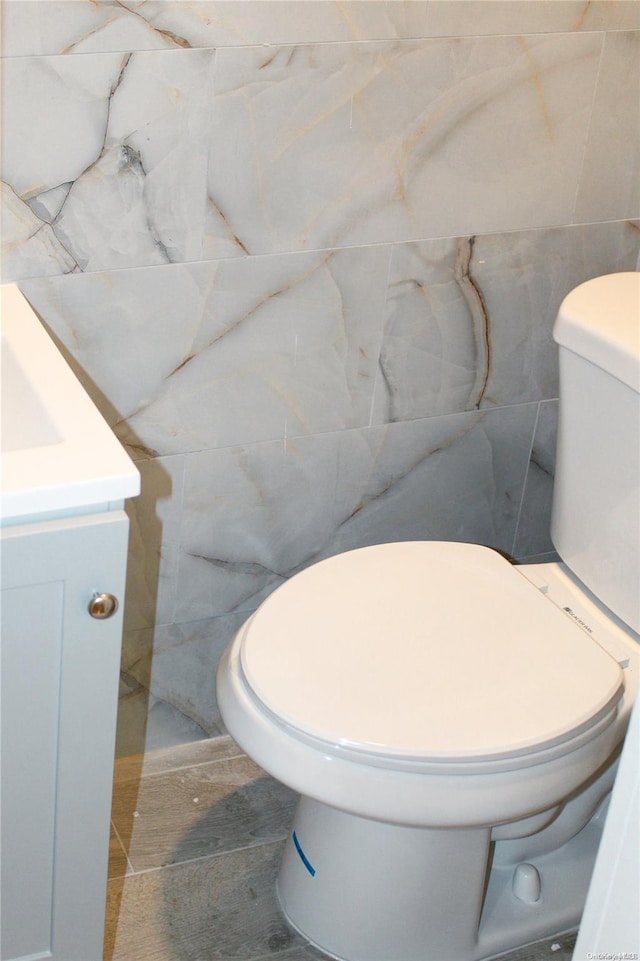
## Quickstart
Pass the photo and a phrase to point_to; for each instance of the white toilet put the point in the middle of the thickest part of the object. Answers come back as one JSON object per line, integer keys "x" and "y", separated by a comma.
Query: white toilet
{"x": 451, "y": 720}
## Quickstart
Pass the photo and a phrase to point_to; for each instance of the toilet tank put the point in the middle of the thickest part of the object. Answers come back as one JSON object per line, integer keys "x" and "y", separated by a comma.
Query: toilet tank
{"x": 595, "y": 524}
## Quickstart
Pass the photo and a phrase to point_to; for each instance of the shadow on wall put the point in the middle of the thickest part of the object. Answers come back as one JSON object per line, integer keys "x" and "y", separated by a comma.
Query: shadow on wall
{"x": 143, "y": 574}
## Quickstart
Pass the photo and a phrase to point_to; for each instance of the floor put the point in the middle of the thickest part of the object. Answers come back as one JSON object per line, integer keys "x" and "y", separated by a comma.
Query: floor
{"x": 197, "y": 831}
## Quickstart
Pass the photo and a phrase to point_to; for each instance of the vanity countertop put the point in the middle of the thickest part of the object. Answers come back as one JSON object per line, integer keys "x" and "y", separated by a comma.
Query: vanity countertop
{"x": 58, "y": 453}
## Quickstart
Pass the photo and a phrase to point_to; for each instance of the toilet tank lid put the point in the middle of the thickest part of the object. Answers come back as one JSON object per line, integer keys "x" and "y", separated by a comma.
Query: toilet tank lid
{"x": 600, "y": 321}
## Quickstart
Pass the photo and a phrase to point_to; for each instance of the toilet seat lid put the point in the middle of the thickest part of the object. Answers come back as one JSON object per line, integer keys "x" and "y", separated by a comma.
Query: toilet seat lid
{"x": 428, "y": 651}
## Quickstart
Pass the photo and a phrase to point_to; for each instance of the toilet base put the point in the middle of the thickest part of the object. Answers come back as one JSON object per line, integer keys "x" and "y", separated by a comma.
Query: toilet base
{"x": 363, "y": 890}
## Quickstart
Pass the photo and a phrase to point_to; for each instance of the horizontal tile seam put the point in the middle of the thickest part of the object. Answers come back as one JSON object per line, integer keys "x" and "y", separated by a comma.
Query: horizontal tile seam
{"x": 146, "y": 775}
{"x": 437, "y": 37}
{"x": 632, "y": 218}
{"x": 480, "y": 412}
{"x": 205, "y": 857}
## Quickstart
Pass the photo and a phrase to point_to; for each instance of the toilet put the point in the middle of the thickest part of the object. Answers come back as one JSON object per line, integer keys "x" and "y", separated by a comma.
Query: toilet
{"x": 451, "y": 720}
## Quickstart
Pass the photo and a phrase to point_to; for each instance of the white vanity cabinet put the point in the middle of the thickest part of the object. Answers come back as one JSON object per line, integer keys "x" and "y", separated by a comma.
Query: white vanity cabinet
{"x": 63, "y": 549}
{"x": 60, "y": 669}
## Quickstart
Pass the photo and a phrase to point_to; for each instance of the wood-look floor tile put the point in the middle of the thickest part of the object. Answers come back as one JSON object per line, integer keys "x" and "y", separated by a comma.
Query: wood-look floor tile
{"x": 220, "y": 908}
{"x": 224, "y": 908}
{"x": 172, "y": 758}
{"x": 199, "y": 811}
{"x": 215, "y": 820}
{"x": 552, "y": 949}
{"x": 118, "y": 864}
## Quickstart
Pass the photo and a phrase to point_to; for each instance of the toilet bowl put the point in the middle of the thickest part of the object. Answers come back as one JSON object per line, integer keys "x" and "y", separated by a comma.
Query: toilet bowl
{"x": 429, "y": 716}
{"x": 455, "y": 706}
{"x": 451, "y": 720}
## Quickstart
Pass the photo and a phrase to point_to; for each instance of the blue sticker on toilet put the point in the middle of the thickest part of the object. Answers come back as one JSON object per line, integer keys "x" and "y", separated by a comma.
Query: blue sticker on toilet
{"x": 303, "y": 857}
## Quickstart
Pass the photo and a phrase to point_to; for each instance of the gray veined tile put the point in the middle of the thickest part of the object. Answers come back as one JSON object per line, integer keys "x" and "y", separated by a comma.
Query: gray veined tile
{"x": 69, "y": 98}
{"x": 610, "y": 180}
{"x": 284, "y": 346}
{"x": 463, "y": 17}
{"x": 177, "y": 664}
{"x": 253, "y": 22}
{"x": 124, "y": 136}
{"x": 533, "y": 536}
{"x": 46, "y": 27}
{"x": 331, "y": 145}
{"x": 456, "y": 477}
{"x": 142, "y": 324}
{"x": 132, "y": 719}
{"x": 153, "y": 538}
{"x": 228, "y": 352}
{"x": 42, "y": 27}
{"x": 470, "y": 319}
{"x": 435, "y": 356}
{"x": 29, "y": 245}
{"x": 166, "y": 725}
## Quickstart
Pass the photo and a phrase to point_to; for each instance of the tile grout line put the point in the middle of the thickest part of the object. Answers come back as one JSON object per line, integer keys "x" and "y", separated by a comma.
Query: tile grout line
{"x": 178, "y": 765}
{"x": 185, "y": 767}
{"x": 537, "y": 951}
{"x": 124, "y": 851}
{"x": 205, "y": 857}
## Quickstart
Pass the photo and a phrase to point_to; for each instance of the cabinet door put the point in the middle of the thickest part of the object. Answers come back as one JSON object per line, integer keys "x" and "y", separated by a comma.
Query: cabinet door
{"x": 60, "y": 672}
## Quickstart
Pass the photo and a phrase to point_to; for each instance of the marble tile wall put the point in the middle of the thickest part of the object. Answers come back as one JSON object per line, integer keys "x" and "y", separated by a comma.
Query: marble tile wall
{"x": 306, "y": 257}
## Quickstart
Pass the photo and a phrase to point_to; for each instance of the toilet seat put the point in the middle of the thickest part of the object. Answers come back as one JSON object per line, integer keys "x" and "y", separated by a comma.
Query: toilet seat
{"x": 426, "y": 652}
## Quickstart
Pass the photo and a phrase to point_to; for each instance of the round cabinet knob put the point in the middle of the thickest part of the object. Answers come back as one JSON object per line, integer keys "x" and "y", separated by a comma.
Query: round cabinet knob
{"x": 102, "y": 606}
